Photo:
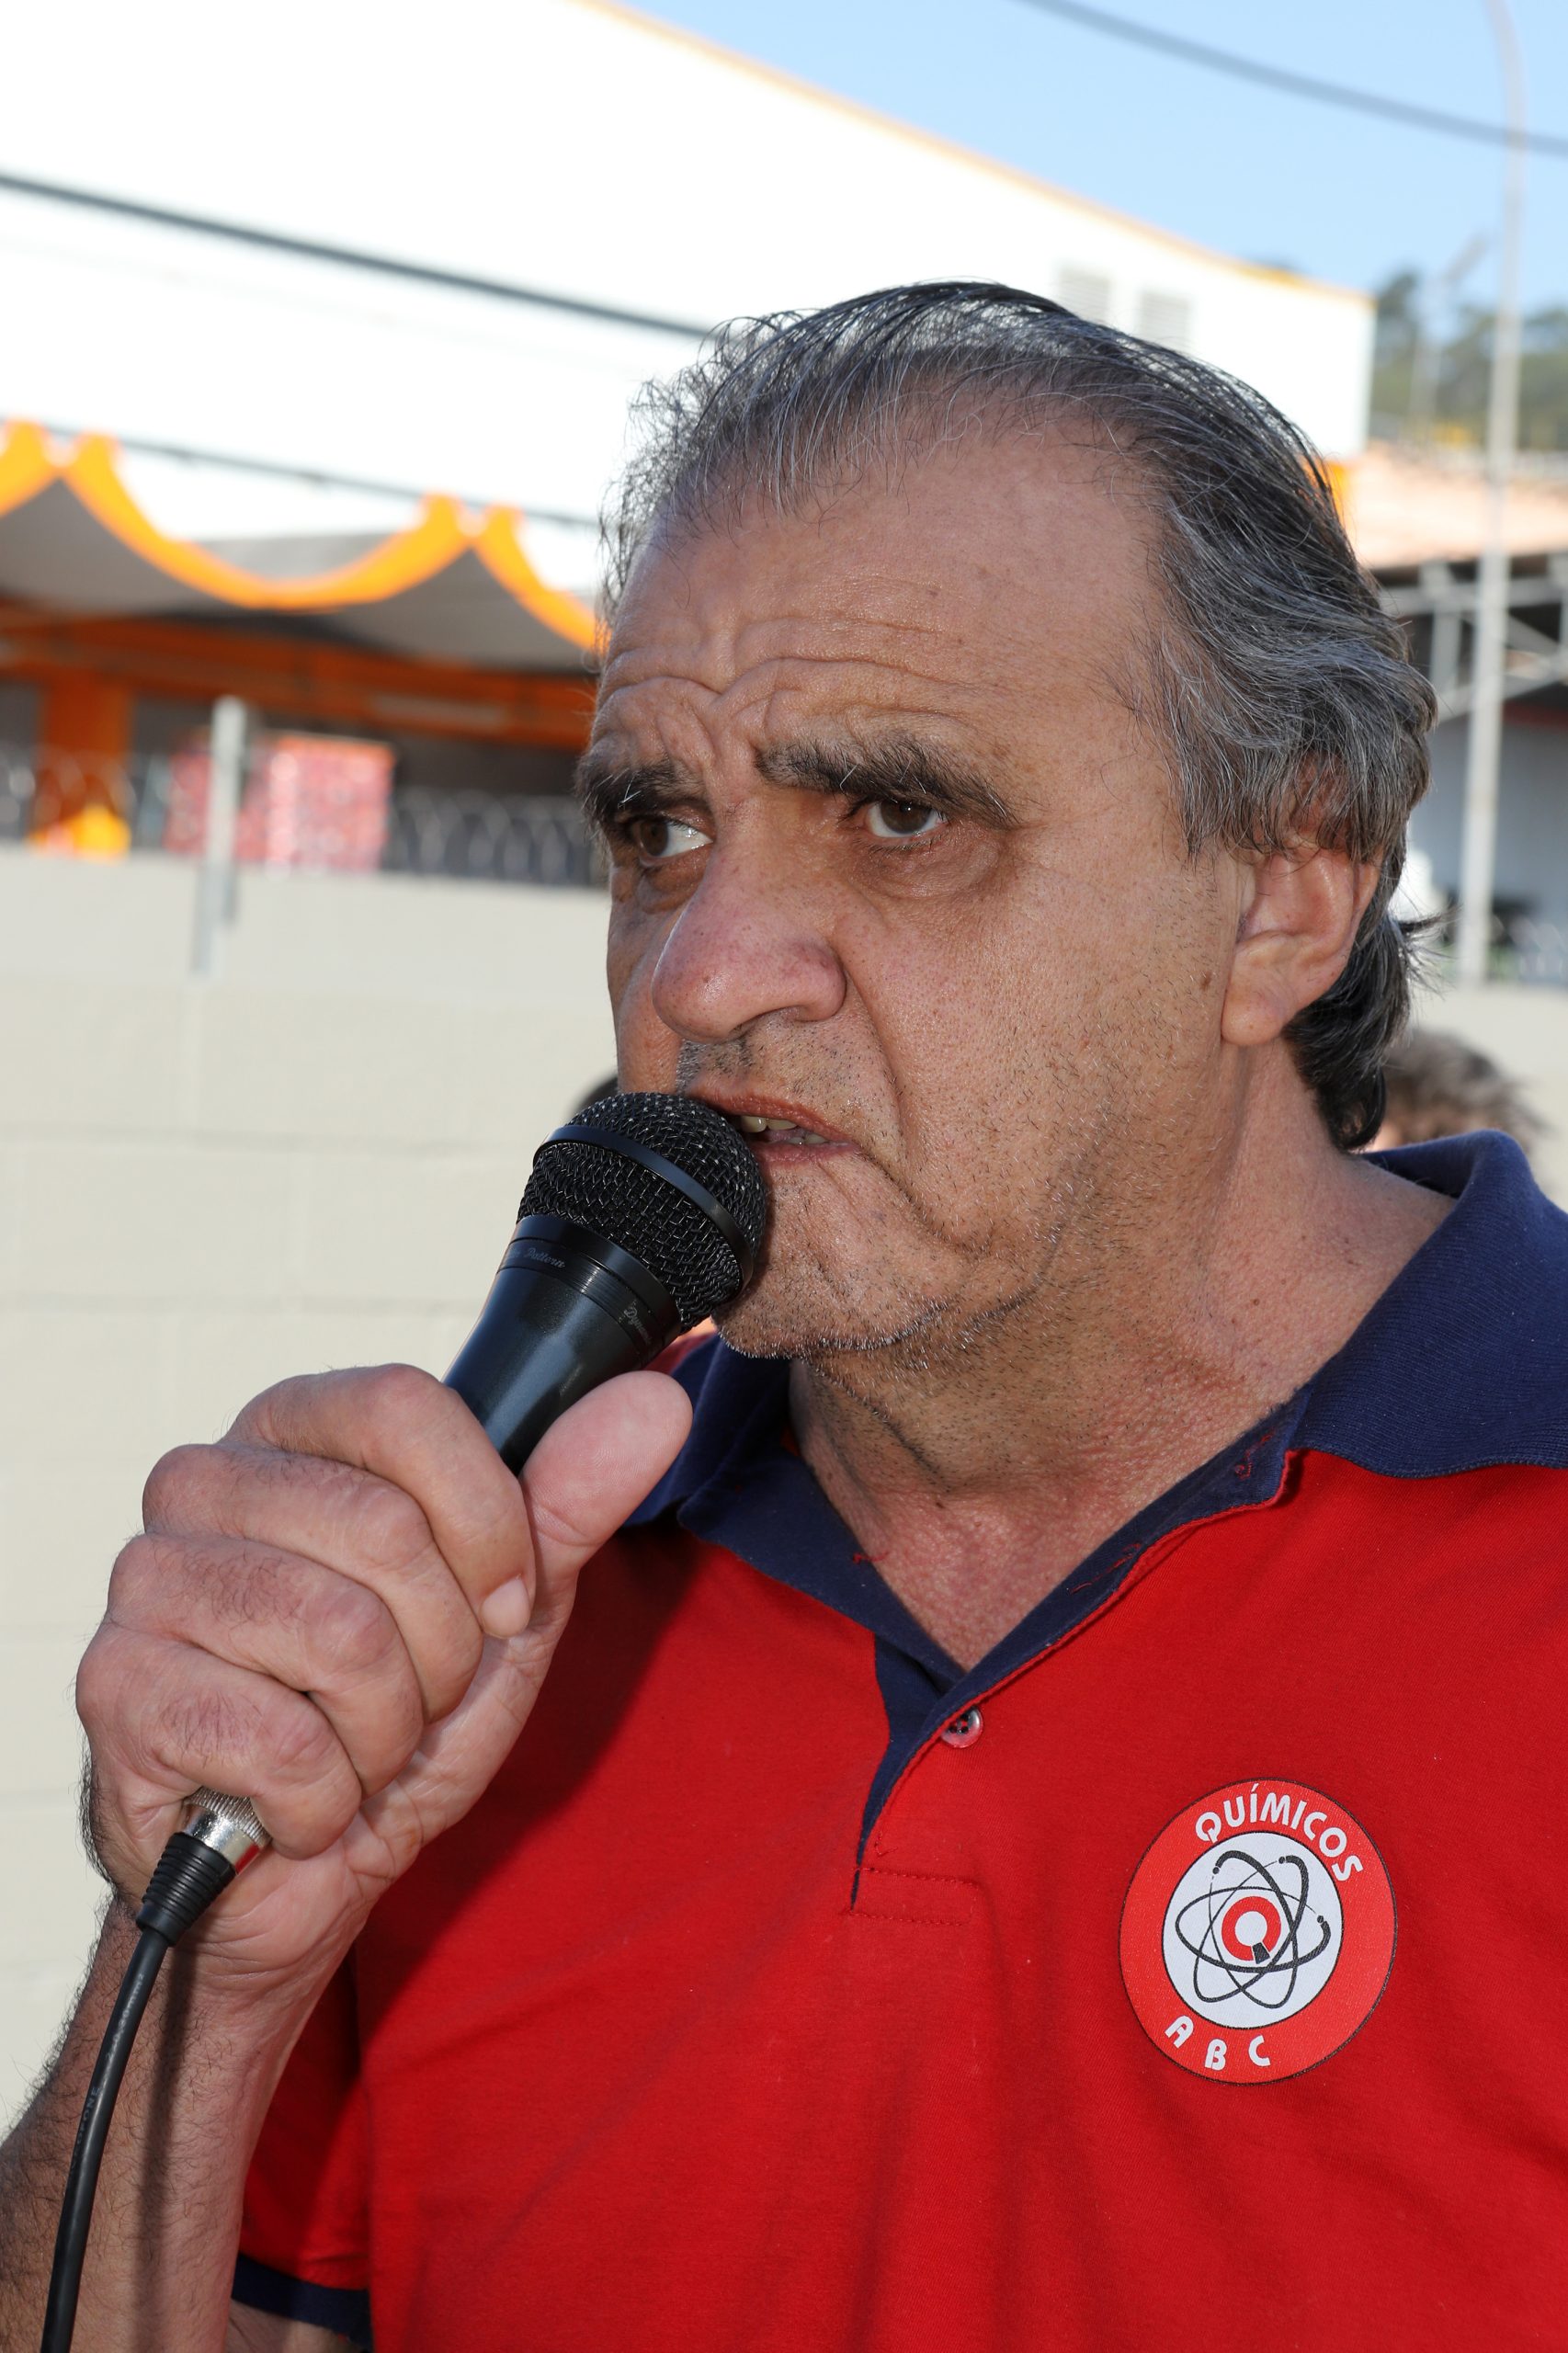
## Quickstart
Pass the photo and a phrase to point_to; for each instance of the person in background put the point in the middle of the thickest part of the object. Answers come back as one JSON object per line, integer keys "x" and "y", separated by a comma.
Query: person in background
{"x": 1440, "y": 1087}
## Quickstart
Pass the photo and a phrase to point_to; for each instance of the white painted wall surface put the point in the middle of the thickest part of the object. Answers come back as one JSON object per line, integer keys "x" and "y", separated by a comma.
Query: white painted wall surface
{"x": 560, "y": 143}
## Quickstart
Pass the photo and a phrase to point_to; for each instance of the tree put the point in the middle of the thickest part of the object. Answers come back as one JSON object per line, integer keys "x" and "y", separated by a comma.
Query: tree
{"x": 1463, "y": 361}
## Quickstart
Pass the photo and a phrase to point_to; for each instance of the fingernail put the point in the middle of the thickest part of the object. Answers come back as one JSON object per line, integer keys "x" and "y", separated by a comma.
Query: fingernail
{"x": 508, "y": 1611}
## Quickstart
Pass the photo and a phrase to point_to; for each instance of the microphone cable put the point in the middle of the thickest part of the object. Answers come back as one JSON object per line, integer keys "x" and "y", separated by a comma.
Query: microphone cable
{"x": 221, "y": 1836}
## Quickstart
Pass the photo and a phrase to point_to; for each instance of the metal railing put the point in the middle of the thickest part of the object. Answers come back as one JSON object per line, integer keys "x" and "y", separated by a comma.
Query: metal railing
{"x": 75, "y": 804}
{"x": 497, "y": 838}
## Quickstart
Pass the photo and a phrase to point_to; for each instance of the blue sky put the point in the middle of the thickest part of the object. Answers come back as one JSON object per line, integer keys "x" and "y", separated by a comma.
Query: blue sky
{"x": 1255, "y": 172}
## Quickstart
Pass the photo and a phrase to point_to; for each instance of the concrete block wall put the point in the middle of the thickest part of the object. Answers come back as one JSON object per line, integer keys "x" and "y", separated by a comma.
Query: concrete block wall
{"x": 313, "y": 1159}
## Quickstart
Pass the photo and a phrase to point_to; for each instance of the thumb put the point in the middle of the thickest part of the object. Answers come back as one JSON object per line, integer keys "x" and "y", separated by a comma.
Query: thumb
{"x": 584, "y": 1478}
{"x": 593, "y": 1467}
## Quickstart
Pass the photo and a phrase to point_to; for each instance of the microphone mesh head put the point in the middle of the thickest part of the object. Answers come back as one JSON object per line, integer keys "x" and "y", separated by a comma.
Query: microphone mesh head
{"x": 632, "y": 1206}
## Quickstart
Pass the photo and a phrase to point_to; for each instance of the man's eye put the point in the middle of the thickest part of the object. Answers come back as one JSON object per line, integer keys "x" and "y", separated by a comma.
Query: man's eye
{"x": 902, "y": 821}
{"x": 658, "y": 838}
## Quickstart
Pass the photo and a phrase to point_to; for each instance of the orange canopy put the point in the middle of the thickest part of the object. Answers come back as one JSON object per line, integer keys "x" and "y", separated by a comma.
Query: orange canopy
{"x": 448, "y": 588}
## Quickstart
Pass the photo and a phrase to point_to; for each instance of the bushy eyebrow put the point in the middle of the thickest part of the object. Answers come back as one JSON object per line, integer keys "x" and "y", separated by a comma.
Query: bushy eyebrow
{"x": 608, "y": 788}
{"x": 893, "y": 768}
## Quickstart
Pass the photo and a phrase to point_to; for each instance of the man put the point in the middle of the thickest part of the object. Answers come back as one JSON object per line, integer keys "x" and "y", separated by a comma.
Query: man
{"x": 941, "y": 1885}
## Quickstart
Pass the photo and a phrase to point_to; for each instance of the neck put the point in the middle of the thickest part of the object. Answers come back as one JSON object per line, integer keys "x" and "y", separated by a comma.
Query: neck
{"x": 978, "y": 1476}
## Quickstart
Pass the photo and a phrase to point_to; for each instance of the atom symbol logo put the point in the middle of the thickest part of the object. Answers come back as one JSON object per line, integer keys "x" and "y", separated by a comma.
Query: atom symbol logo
{"x": 1258, "y": 1933}
{"x": 1250, "y": 1932}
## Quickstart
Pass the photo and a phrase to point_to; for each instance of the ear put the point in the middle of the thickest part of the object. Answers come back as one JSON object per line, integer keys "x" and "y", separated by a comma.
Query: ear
{"x": 1300, "y": 912}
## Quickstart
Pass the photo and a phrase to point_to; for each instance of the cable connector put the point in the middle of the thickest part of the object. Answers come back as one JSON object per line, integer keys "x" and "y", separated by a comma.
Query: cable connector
{"x": 221, "y": 1836}
{"x": 188, "y": 1877}
{"x": 231, "y": 1824}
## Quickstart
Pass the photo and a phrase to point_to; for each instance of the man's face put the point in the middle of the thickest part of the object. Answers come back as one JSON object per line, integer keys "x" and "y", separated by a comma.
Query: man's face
{"x": 894, "y": 861}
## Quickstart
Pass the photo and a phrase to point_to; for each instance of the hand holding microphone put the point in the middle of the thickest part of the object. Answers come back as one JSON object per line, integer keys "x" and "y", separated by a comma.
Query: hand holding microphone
{"x": 313, "y": 1595}
{"x": 341, "y": 1614}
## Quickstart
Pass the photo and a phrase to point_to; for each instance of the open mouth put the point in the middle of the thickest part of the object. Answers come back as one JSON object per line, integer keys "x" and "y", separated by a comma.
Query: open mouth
{"x": 758, "y": 1127}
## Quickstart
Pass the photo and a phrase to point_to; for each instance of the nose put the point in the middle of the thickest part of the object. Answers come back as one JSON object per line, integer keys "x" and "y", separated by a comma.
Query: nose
{"x": 750, "y": 944}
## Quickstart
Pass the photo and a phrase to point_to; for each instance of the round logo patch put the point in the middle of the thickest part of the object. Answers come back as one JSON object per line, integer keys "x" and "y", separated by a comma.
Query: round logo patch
{"x": 1258, "y": 1933}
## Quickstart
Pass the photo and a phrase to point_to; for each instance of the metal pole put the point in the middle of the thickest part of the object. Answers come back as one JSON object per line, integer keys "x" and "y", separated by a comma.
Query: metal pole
{"x": 1477, "y": 862}
{"x": 215, "y": 876}
{"x": 1435, "y": 296}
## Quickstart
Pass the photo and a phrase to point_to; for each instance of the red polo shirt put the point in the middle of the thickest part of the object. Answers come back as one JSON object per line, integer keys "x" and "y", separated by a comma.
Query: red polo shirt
{"x": 1192, "y": 1972}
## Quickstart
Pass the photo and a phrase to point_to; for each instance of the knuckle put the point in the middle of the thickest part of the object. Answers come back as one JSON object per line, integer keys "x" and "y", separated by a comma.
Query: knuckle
{"x": 135, "y": 1570}
{"x": 258, "y": 1421}
{"x": 555, "y": 1525}
{"x": 393, "y": 1396}
{"x": 305, "y": 1821}
{"x": 354, "y": 1632}
{"x": 391, "y": 1531}
{"x": 99, "y": 1683}
{"x": 171, "y": 1481}
{"x": 300, "y": 1744}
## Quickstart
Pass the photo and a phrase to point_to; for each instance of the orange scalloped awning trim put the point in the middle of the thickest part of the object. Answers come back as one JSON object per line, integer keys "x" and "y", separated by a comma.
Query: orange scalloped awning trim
{"x": 436, "y": 539}
{"x": 503, "y": 552}
{"x": 26, "y": 466}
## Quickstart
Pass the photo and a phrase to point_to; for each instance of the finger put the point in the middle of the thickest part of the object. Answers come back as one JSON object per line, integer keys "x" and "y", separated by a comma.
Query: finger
{"x": 347, "y": 1520}
{"x": 165, "y": 1719}
{"x": 582, "y": 1479}
{"x": 329, "y": 1637}
{"x": 404, "y": 1426}
{"x": 593, "y": 1468}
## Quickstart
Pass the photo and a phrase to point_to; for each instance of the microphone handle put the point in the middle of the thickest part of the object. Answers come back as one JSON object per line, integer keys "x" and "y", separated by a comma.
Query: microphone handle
{"x": 567, "y": 1310}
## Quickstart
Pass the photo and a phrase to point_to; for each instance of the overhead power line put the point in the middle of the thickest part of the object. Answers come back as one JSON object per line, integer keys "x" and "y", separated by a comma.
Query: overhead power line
{"x": 1302, "y": 86}
{"x": 349, "y": 256}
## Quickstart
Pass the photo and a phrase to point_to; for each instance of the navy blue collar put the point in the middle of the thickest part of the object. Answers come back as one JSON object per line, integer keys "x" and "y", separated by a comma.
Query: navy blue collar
{"x": 1463, "y": 1361}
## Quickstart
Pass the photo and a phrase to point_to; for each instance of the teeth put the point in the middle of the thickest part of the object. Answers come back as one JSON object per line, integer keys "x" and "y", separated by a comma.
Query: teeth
{"x": 754, "y": 1123}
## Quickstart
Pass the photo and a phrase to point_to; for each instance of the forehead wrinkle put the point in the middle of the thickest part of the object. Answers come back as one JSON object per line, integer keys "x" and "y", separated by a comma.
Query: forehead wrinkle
{"x": 934, "y": 651}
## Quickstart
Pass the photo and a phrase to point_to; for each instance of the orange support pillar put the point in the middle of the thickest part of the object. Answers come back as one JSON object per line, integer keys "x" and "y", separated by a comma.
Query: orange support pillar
{"x": 83, "y": 796}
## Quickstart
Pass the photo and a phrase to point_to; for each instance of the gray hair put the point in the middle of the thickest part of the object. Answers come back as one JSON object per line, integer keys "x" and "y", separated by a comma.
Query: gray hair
{"x": 1285, "y": 693}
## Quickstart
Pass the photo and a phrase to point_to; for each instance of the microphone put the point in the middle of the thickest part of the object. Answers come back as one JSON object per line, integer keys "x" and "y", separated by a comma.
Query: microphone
{"x": 641, "y": 1216}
